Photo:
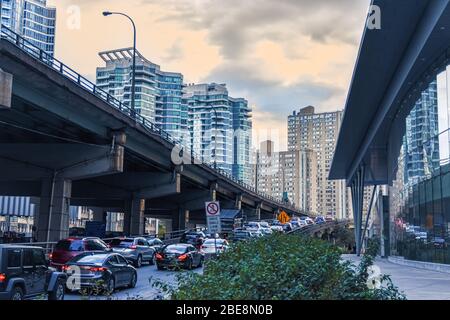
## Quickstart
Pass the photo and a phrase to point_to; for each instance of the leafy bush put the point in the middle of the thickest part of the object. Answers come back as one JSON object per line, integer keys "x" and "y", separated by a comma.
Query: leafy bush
{"x": 281, "y": 267}
{"x": 344, "y": 238}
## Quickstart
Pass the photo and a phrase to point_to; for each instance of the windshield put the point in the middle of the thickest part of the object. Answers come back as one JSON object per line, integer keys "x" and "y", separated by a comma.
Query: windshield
{"x": 68, "y": 245}
{"x": 211, "y": 242}
{"x": 90, "y": 259}
{"x": 264, "y": 224}
{"x": 175, "y": 249}
{"x": 241, "y": 234}
{"x": 122, "y": 243}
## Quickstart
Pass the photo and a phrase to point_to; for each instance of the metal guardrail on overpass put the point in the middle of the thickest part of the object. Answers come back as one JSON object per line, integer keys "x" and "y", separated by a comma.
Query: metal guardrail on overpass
{"x": 87, "y": 85}
{"x": 312, "y": 229}
{"x": 174, "y": 237}
{"x": 167, "y": 238}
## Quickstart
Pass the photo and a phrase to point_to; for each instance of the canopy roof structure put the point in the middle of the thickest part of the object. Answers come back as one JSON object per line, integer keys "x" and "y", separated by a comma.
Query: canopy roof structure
{"x": 393, "y": 66}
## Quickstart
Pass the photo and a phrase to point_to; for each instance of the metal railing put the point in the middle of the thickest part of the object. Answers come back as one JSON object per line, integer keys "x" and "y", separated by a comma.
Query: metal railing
{"x": 92, "y": 88}
{"x": 310, "y": 229}
{"x": 47, "y": 246}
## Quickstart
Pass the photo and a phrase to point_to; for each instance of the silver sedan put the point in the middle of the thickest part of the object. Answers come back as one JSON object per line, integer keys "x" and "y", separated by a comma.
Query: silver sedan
{"x": 136, "y": 250}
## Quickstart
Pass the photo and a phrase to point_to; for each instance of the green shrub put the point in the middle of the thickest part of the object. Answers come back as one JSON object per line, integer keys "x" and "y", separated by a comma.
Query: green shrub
{"x": 281, "y": 267}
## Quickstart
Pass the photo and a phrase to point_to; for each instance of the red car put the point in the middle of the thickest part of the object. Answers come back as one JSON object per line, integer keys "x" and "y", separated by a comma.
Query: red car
{"x": 66, "y": 249}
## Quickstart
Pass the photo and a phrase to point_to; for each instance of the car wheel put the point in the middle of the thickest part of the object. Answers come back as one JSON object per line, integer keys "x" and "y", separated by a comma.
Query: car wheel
{"x": 17, "y": 294}
{"x": 138, "y": 262}
{"x": 160, "y": 267}
{"x": 133, "y": 280}
{"x": 111, "y": 286}
{"x": 190, "y": 265}
{"x": 59, "y": 292}
{"x": 153, "y": 260}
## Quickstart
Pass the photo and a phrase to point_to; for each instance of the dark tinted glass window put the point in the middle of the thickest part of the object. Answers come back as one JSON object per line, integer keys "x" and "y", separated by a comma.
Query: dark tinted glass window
{"x": 175, "y": 249}
{"x": 112, "y": 260}
{"x": 155, "y": 242}
{"x": 96, "y": 258}
{"x": 241, "y": 234}
{"x": 28, "y": 258}
{"x": 39, "y": 257}
{"x": 14, "y": 256}
{"x": 142, "y": 242}
{"x": 94, "y": 245}
{"x": 121, "y": 260}
{"x": 122, "y": 243}
{"x": 67, "y": 245}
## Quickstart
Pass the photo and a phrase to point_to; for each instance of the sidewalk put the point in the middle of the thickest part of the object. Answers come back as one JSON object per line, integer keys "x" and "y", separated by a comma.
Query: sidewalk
{"x": 416, "y": 284}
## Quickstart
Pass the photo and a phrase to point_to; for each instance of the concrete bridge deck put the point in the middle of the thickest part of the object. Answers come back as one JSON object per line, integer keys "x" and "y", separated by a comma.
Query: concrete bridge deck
{"x": 66, "y": 142}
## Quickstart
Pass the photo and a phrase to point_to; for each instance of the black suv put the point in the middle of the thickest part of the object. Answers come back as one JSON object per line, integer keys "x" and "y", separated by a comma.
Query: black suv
{"x": 194, "y": 238}
{"x": 24, "y": 274}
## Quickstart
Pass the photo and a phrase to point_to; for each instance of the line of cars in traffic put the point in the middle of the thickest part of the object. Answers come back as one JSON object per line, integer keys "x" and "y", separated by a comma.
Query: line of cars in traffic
{"x": 78, "y": 263}
{"x": 96, "y": 265}
{"x": 258, "y": 229}
{"x": 85, "y": 263}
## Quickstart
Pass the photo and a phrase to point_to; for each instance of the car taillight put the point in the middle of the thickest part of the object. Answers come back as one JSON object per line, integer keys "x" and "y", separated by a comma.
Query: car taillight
{"x": 65, "y": 268}
{"x": 133, "y": 246}
{"x": 97, "y": 269}
{"x": 159, "y": 256}
{"x": 183, "y": 257}
{"x": 50, "y": 256}
{"x": 2, "y": 277}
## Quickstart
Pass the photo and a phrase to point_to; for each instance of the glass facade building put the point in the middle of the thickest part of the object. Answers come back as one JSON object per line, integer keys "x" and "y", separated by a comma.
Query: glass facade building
{"x": 420, "y": 196}
{"x": 220, "y": 128}
{"x": 242, "y": 127}
{"x": 158, "y": 94}
{"x": 32, "y": 19}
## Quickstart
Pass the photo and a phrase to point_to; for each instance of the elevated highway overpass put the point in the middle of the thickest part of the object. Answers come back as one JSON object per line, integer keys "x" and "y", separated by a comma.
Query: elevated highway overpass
{"x": 66, "y": 142}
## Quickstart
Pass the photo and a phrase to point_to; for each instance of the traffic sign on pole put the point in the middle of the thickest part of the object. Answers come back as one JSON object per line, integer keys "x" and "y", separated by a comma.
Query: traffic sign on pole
{"x": 283, "y": 217}
{"x": 213, "y": 217}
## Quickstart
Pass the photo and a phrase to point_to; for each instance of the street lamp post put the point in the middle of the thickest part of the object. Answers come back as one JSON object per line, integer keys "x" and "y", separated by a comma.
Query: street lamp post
{"x": 133, "y": 80}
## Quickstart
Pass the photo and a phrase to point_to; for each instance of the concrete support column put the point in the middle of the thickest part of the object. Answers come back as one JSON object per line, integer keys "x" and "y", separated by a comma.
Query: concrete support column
{"x": 258, "y": 212}
{"x": 134, "y": 222}
{"x": 238, "y": 202}
{"x": 53, "y": 217}
{"x": 213, "y": 191}
{"x": 180, "y": 219}
{"x": 6, "y": 81}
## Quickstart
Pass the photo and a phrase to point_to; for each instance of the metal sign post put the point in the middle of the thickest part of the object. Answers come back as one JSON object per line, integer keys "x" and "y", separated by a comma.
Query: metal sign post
{"x": 213, "y": 218}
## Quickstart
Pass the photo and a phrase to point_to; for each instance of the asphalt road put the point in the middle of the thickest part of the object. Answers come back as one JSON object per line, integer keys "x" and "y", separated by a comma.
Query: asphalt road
{"x": 143, "y": 289}
{"x": 416, "y": 284}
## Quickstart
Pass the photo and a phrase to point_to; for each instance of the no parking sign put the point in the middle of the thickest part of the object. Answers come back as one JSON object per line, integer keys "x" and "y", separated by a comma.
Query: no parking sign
{"x": 213, "y": 216}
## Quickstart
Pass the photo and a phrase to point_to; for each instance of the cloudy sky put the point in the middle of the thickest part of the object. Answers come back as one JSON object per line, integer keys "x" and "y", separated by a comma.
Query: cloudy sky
{"x": 281, "y": 55}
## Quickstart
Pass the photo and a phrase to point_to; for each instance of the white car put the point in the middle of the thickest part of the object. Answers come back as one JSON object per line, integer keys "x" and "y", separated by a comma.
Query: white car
{"x": 307, "y": 220}
{"x": 264, "y": 224}
{"x": 266, "y": 231}
{"x": 277, "y": 228}
{"x": 213, "y": 247}
{"x": 253, "y": 226}
{"x": 302, "y": 223}
{"x": 256, "y": 234}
